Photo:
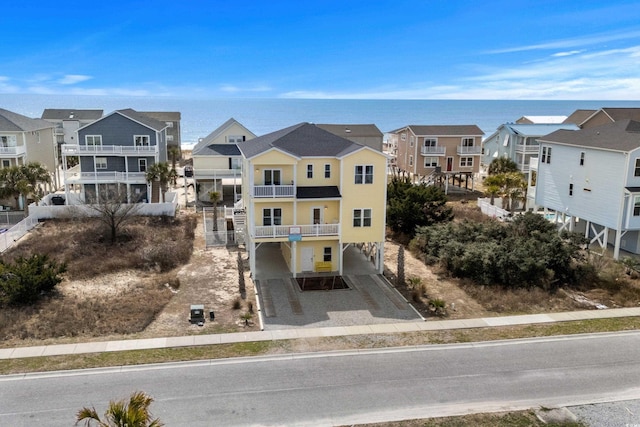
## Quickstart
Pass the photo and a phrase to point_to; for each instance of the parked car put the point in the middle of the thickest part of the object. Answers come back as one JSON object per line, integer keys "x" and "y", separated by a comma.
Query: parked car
{"x": 188, "y": 171}
{"x": 57, "y": 200}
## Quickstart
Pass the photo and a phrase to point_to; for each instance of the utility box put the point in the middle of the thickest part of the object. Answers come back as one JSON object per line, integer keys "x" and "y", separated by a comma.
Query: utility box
{"x": 196, "y": 314}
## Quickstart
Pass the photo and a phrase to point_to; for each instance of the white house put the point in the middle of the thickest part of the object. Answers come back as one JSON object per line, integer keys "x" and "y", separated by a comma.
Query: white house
{"x": 592, "y": 178}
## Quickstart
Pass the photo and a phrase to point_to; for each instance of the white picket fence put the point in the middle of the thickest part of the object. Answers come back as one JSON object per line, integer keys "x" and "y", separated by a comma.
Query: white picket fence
{"x": 493, "y": 210}
{"x": 12, "y": 235}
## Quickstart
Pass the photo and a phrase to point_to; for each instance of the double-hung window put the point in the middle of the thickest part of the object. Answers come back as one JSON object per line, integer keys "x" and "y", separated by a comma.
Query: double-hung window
{"x": 141, "y": 140}
{"x": 430, "y": 162}
{"x": 362, "y": 217}
{"x": 546, "y": 155}
{"x": 93, "y": 140}
{"x": 466, "y": 161}
{"x": 272, "y": 216}
{"x": 636, "y": 171}
{"x": 364, "y": 174}
{"x": 309, "y": 171}
{"x": 582, "y": 158}
{"x": 101, "y": 163}
{"x": 327, "y": 171}
{"x": 636, "y": 205}
{"x": 326, "y": 256}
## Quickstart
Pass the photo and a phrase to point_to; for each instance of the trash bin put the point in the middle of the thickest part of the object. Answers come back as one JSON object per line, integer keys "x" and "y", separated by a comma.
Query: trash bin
{"x": 212, "y": 315}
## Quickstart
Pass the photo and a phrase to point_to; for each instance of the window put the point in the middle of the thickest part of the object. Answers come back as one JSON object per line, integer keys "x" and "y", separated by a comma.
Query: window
{"x": 309, "y": 171}
{"x": 169, "y": 138}
{"x": 8, "y": 140}
{"x": 636, "y": 205}
{"x": 93, "y": 140}
{"x": 141, "y": 140}
{"x": 403, "y": 136}
{"x": 466, "y": 161}
{"x": 6, "y": 163}
{"x": 571, "y": 189}
{"x": 546, "y": 155}
{"x": 467, "y": 142}
{"x": 582, "y": 158}
{"x": 272, "y": 216}
{"x": 142, "y": 165}
{"x": 410, "y": 160}
{"x": 327, "y": 171}
{"x": 637, "y": 168}
{"x": 169, "y": 124}
{"x": 327, "y": 254}
{"x": 101, "y": 163}
{"x": 362, "y": 217}
{"x": 364, "y": 174}
{"x": 430, "y": 142}
{"x": 411, "y": 141}
{"x": 235, "y": 138}
{"x": 430, "y": 162}
{"x": 272, "y": 177}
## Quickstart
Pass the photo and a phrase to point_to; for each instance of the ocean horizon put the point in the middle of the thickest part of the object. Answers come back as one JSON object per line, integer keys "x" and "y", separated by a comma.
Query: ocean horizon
{"x": 263, "y": 115}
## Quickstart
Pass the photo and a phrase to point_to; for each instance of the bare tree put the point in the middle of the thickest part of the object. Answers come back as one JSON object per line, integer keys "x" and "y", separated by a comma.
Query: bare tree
{"x": 111, "y": 208}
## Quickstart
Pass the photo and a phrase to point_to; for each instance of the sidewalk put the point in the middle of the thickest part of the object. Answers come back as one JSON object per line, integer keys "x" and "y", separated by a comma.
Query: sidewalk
{"x": 195, "y": 340}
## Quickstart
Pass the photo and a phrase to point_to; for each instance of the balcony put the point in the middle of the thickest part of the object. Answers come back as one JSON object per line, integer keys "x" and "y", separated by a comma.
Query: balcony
{"x": 433, "y": 151}
{"x": 20, "y": 150}
{"x": 124, "y": 150}
{"x": 523, "y": 167}
{"x": 274, "y": 191}
{"x": 473, "y": 150}
{"x": 282, "y": 231}
{"x": 216, "y": 173}
{"x": 75, "y": 176}
{"x": 527, "y": 148}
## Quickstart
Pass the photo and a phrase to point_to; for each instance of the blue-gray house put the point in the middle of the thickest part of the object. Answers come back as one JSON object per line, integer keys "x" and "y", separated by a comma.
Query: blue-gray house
{"x": 113, "y": 154}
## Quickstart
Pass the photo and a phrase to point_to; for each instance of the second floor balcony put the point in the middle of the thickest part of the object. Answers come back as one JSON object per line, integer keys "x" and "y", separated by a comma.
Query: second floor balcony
{"x": 19, "y": 150}
{"x": 216, "y": 173}
{"x": 527, "y": 148}
{"x": 472, "y": 150}
{"x": 283, "y": 231}
{"x": 432, "y": 150}
{"x": 76, "y": 176}
{"x": 274, "y": 191}
{"x": 79, "y": 150}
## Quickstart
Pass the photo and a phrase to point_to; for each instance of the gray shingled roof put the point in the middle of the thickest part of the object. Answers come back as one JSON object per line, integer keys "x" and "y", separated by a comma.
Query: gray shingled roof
{"x": 219, "y": 150}
{"x": 352, "y": 130}
{"x": 14, "y": 122}
{"x": 579, "y": 116}
{"x": 67, "y": 114}
{"x": 443, "y": 130}
{"x": 540, "y": 128}
{"x": 301, "y": 140}
{"x": 623, "y": 135}
{"x": 165, "y": 116}
{"x": 142, "y": 118}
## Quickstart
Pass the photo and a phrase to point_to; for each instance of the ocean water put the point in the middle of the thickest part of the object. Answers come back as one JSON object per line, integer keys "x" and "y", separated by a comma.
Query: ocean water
{"x": 263, "y": 115}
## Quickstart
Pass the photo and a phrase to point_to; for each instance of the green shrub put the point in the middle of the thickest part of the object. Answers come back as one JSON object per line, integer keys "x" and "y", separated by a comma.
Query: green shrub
{"x": 27, "y": 279}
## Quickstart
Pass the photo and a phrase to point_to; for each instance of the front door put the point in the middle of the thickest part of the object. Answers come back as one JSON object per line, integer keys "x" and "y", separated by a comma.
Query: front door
{"x": 316, "y": 215}
{"x": 449, "y": 164}
{"x": 306, "y": 258}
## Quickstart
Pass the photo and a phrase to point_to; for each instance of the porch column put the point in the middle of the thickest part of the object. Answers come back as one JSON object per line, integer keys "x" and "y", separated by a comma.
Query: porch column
{"x": 294, "y": 258}
{"x": 340, "y": 258}
{"x": 616, "y": 248}
{"x": 252, "y": 259}
{"x": 380, "y": 257}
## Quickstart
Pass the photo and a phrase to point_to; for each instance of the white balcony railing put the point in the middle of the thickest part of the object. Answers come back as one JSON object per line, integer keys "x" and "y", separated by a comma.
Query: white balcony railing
{"x": 274, "y": 190}
{"x": 309, "y": 230}
{"x": 523, "y": 167}
{"x": 469, "y": 151}
{"x": 74, "y": 175}
{"x": 527, "y": 148}
{"x": 13, "y": 151}
{"x": 78, "y": 150}
{"x": 433, "y": 151}
{"x": 216, "y": 173}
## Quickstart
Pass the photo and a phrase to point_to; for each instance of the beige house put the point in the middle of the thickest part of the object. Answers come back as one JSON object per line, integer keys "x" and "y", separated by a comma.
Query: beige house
{"x": 606, "y": 116}
{"x": 439, "y": 152}
{"x": 24, "y": 140}
{"x": 367, "y": 134}
{"x": 217, "y": 162}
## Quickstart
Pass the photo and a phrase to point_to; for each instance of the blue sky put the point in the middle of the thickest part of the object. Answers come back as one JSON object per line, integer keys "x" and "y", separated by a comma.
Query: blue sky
{"x": 402, "y": 49}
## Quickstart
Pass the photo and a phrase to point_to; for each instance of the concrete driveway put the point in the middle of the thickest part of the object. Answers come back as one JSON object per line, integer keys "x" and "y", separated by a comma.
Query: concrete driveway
{"x": 370, "y": 299}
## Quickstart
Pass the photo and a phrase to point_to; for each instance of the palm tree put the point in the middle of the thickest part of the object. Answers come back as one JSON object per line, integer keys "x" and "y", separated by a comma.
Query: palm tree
{"x": 214, "y": 197}
{"x": 174, "y": 153}
{"x": 494, "y": 184}
{"x": 22, "y": 180}
{"x": 134, "y": 413}
{"x": 159, "y": 172}
{"x": 502, "y": 165}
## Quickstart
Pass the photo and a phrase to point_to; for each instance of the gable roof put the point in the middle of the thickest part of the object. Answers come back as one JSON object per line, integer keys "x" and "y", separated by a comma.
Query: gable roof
{"x": 14, "y": 122}
{"x": 165, "y": 116}
{"x": 70, "y": 114}
{"x": 541, "y": 119}
{"x": 220, "y": 130}
{"x": 442, "y": 130}
{"x": 615, "y": 114}
{"x": 219, "y": 150}
{"x": 301, "y": 140}
{"x": 539, "y": 129}
{"x": 579, "y": 116}
{"x": 134, "y": 115}
{"x": 623, "y": 135}
{"x": 352, "y": 130}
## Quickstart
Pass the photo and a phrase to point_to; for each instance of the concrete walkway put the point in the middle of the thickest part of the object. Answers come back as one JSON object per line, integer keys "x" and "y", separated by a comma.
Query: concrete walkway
{"x": 195, "y": 340}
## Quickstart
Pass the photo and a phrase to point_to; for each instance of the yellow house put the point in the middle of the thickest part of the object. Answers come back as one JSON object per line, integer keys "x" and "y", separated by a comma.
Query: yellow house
{"x": 314, "y": 194}
{"x": 216, "y": 158}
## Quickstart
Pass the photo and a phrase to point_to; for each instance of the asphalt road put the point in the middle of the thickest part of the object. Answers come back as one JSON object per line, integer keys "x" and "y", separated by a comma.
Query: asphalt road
{"x": 345, "y": 387}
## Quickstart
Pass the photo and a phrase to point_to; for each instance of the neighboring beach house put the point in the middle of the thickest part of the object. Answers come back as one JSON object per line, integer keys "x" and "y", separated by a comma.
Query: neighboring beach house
{"x": 24, "y": 140}
{"x": 365, "y": 134}
{"x": 67, "y": 122}
{"x": 312, "y": 194}
{"x": 591, "y": 179}
{"x": 114, "y": 154}
{"x": 518, "y": 142}
{"x": 532, "y": 120}
{"x": 216, "y": 157}
{"x": 172, "y": 120}
{"x": 610, "y": 115}
{"x": 439, "y": 151}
